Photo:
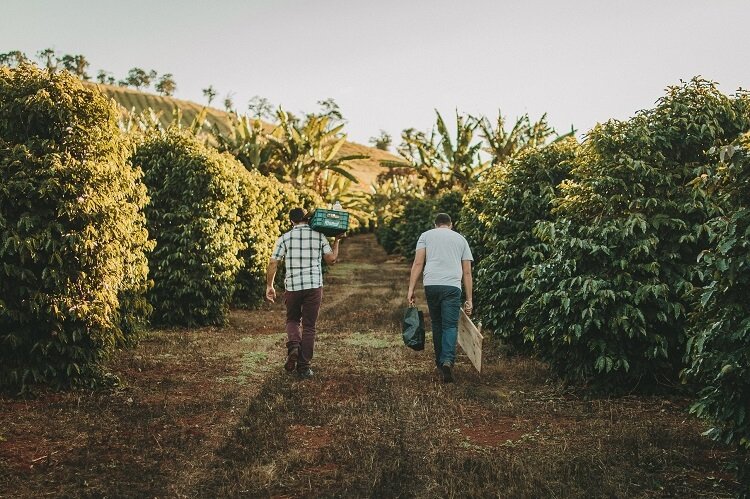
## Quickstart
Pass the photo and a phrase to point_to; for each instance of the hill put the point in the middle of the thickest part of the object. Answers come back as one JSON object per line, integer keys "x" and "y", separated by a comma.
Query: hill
{"x": 364, "y": 169}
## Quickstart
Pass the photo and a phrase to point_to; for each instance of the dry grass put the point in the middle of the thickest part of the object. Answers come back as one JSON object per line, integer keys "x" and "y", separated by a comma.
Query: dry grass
{"x": 209, "y": 413}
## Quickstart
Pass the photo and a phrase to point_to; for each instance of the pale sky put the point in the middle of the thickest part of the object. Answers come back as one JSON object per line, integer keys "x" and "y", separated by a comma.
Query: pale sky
{"x": 390, "y": 63}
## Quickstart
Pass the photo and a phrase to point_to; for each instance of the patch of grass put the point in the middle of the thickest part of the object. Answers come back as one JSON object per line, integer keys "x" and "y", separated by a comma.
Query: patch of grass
{"x": 262, "y": 343}
{"x": 369, "y": 340}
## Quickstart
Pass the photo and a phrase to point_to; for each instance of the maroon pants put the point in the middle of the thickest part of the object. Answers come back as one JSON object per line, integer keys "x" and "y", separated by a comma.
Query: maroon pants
{"x": 302, "y": 307}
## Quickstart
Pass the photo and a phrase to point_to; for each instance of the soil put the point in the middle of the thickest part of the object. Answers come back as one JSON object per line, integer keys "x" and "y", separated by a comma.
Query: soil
{"x": 210, "y": 412}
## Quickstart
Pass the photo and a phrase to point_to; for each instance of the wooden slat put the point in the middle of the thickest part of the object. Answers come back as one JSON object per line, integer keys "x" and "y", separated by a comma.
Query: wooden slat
{"x": 470, "y": 340}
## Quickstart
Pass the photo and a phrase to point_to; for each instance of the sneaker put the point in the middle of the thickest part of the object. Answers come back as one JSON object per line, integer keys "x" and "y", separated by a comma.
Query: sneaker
{"x": 305, "y": 373}
{"x": 445, "y": 369}
{"x": 291, "y": 359}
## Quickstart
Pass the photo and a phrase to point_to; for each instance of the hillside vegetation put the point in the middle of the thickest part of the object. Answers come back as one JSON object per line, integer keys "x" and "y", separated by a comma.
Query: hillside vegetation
{"x": 366, "y": 170}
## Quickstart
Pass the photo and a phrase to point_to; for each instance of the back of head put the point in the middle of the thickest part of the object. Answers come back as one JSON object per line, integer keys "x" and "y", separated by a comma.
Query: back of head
{"x": 443, "y": 219}
{"x": 297, "y": 215}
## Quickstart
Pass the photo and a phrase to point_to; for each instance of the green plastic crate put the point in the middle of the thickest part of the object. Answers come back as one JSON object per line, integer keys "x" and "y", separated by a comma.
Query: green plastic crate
{"x": 329, "y": 222}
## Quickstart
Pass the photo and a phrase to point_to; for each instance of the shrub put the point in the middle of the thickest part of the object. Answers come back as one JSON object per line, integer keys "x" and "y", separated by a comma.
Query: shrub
{"x": 419, "y": 215}
{"x": 72, "y": 235}
{"x": 192, "y": 215}
{"x": 386, "y": 235}
{"x": 263, "y": 212}
{"x": 610, "y": 303}
{"x": 478, "y": 213}
{"x": 719, "y": 348}
{"x": 513, "y": 198}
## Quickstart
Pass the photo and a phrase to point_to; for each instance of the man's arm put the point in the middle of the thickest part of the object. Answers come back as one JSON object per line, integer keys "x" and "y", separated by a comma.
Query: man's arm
{"x": 416, "y": 271}
{"x": 270, "y": 275}
{"x": 331, "y": 258}
{"x": 468, "y": 286}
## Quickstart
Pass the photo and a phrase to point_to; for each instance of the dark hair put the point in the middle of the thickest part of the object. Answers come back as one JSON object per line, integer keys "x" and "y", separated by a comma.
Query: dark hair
{"x": 443, "y": 219}
{"x": 297, "y": 215}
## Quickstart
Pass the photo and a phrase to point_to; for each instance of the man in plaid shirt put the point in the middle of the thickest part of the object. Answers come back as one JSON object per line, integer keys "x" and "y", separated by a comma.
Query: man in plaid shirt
{"x": 302, "y": 250}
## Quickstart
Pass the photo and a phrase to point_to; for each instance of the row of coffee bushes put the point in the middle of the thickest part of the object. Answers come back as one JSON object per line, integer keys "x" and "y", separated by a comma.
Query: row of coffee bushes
{"x": 623, "y": 261}
{"x": 99, "y": 228}
{"x": 73, "y": 238}
{"x": 399, "y": 234}
{"x": 498, "y": 220}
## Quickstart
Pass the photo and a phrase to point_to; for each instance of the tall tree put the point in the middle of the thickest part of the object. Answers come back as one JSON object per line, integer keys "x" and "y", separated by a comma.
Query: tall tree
{"x": 209, "y": 93}
{"x": 229, "y": 102}
{"x": 382, "y": 141}
{"x": 330, "y": 108}
{"x": 139, "y": 78}
{"x": 105, "y": 77}
{"x": 76, "y": 64}
{"x": 261, "y": 108}
{"x": 166, "y": 85}
{"x": 12, "y": 58}
{"x": 47, "y": 56}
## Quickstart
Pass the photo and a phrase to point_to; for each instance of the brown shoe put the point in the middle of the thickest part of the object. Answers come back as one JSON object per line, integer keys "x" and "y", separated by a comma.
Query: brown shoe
{"x": 291, "y": 359}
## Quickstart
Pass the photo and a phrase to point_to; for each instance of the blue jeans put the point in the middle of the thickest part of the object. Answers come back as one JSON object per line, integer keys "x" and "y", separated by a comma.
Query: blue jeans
{"x": 444, "y": 303}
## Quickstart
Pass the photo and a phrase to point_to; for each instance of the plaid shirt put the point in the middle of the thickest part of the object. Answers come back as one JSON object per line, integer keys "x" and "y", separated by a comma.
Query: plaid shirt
{"x": 302, "y": 249}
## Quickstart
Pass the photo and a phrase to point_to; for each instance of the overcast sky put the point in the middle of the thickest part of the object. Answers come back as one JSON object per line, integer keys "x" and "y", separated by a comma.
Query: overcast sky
{"x": 390, "y": 63}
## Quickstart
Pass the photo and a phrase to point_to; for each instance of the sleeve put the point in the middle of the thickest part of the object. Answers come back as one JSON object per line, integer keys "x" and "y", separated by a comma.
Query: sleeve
{"x": 466, "y": 255}
{"x": 422, "y": 241}
{"x": 279, "y": 251}
{"x": 326, "y": 245}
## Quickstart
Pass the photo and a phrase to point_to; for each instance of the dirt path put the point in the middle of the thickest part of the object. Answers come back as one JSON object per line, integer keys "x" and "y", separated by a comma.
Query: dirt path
{"x": 211, "y": 413}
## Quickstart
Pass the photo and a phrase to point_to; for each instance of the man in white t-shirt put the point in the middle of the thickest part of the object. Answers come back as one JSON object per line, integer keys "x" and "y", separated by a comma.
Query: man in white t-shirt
{"x": 446, "y": 258}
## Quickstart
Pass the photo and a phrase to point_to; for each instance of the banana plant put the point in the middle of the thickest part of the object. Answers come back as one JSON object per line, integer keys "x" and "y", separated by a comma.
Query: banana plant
{"x": 248, "y": 142}
{"x": 441, "y": 162}
{"x": 462, "y": 162}
{"x": 502, "y": 145}
{"x": 302, "y": 152}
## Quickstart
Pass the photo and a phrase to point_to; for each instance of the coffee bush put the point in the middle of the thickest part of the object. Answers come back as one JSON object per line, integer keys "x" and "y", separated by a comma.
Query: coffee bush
{"x": 610, "y": 304}
{"x": 193, "y": 216}
{"x": 418, "y": 216}
{"x": 262, "y": 213}
{"x": 514, "y": 197}
{"x": 72, "y": 233}
{"x": 719, "y": 346}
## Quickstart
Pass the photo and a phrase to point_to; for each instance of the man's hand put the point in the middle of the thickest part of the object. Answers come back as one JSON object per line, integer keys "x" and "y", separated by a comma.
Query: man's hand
{"x": 468, "y": 307}
{"x": 410, "y": 298}
{"x": 270, "y": 294}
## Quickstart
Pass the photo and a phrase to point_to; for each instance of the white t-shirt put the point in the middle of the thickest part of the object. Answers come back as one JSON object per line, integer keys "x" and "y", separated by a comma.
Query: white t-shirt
{"x": 445, "y": 250}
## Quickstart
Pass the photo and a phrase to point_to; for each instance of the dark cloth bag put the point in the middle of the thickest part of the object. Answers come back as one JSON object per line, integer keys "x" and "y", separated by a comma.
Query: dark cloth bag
{"x": 413, "y": 328}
